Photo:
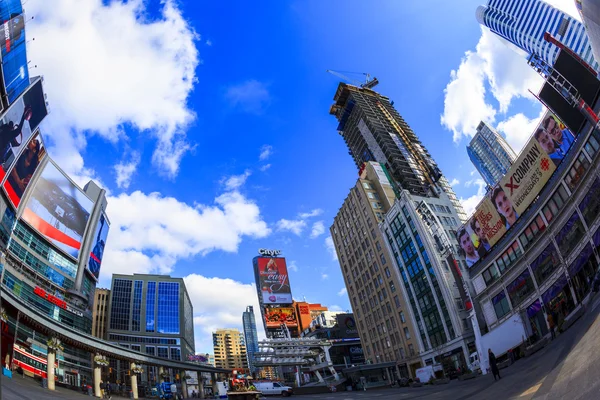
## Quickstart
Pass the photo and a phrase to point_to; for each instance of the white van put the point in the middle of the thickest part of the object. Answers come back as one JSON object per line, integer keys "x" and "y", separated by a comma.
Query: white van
{"x": 474, "y": 362}
{"x": 273, "y": 388}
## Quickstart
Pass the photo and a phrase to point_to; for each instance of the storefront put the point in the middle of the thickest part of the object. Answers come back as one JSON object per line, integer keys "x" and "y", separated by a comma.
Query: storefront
{"x": 559, "y": 299}
{"x": 582, "y": 271}
{"x": 537, "y": 321}
{"x": 453, "y": 361}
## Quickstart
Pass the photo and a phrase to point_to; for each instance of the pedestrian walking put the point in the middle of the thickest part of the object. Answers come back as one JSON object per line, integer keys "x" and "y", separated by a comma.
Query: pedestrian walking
{"x": 551, "y": 325}
{"x": 363, "y": 383}
{"x": 493, "y": 364}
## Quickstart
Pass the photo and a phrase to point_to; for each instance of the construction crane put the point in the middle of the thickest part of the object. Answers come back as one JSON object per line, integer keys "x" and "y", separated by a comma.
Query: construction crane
{"x": 368, "y": 84}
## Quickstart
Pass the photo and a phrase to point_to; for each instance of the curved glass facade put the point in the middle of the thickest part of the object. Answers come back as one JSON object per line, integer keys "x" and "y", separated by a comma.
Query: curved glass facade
{"x": 546, "y": 263}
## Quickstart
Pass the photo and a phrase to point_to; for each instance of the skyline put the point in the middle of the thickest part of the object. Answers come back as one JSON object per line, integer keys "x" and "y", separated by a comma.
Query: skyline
{"x": 204, "y": 145}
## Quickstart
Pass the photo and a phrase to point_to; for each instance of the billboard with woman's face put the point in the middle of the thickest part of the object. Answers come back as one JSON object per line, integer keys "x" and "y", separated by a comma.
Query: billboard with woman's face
{"x": 21, "y": 173}
{"x": 59, "y": 210}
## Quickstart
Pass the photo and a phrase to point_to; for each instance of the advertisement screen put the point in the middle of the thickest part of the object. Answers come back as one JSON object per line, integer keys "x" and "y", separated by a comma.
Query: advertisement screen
{"x": 274, "y": 317}
{"x": 58, "y": 210}
{"x": 20, "y": 121}
{"x": 274, "y": 280}
{"x": 98, "y": 248}
{"x": 14, "y": 54}
{"x": 528, "y": 175}
{"x": 347, "y": 325}
{"x": 23, "y": 170}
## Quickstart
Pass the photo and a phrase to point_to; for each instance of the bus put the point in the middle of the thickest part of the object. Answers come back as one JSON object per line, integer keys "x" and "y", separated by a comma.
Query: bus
{"x": 34, "y": 365}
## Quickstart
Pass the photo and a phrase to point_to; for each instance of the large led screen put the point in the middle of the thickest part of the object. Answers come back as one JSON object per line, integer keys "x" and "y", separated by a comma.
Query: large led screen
{"x": 13, "y": 49}
{"x": 509, "y": 199}
{"x": 58, "y": 210}
{"x": 99, "y": 242}
{"x": 21, "y": 173}
{"x": 274, "y": 280}
{"x": 274, "y": 317}
{"x": 20, "y": 121}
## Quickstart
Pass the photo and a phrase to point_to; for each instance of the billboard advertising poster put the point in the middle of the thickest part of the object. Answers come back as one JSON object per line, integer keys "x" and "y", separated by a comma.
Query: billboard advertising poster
{"x": 58, "y": 210}
{"x": 99, "y": 243}
{"x": 274, "y": 280}
{"x": 21, "y": 173}
{"x": 19, "y": 122}
{"x": 347, "y": 325}
{"x": 274, "y": 317}
{"x": 14, "y": 55}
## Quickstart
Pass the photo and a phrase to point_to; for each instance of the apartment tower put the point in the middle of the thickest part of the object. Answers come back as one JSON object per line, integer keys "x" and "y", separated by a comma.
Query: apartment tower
{"x": 100, "y": 313}
{"x": 230, "y": 349}
{"x": 250, "y": 334}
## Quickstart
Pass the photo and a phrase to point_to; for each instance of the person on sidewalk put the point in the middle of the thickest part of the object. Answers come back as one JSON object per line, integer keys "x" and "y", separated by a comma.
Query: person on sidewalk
{"x": 550, "y": 319}
{"x": 493, "y": 364}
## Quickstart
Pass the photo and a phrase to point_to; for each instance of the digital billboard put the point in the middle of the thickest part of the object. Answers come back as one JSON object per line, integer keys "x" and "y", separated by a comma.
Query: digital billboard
{"x": 347, "y": 326}
{"x": 513, "y": 194}
{"x": 58, "y": 210}
{"x": 99, "y": 242}
{"x": 21, "y": 173}
{"x": 14, "y": 55}
{"x": 19, "y": 122}
{"x": 274, "y": 317}
{"x": 274, "y": 280}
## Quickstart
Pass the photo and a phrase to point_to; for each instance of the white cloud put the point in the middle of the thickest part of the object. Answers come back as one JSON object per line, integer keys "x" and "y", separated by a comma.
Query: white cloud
{"x": 120, "y": 67}
{"x": 209, "y": 42}
{"x": 314, "y": 213}
{"x": 294, "y": 226}
{"x": 331, "y": 247}
{"x": 324, "y": 276}
{"x": 318, "y": 229}
{"x": 251, "y": 96}
{"x": 265, "y": 152}
{"x": 265, "y": 167}
{"x": 125, "y": 170}
{"x": 236, "y": 181}
{"x": 292, "y": 266}
{"x": 343, "y": 291}
{"x": 518, "y": 128}
{"x": 495, "y": 65}
{"x": 470, "y": 203}
{"x": 150, "y": 232}
{"x": 219, "y": 303}
{"x": 454, "y": 182}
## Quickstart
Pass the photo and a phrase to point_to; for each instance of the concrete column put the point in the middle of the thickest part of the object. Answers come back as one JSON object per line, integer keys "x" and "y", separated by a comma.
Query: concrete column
{"x": 161, "y": 371}
{"x": 398, "y": 372}
{"x": 134, "y": 387}
{"x": 387, "y": 375}
{"x": 50, "y": 368}
{"x": 184, "y": 385}
{"x": 200, "y": 385}
{"x": 97, "y": 378}
{"x": 215, "y": 388}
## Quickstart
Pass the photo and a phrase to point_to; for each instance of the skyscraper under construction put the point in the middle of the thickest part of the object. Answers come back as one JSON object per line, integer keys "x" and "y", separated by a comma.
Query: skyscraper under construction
{"x": 374, "y": 131}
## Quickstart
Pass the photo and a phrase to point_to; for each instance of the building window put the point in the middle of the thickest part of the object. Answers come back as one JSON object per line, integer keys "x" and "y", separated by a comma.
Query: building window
{"x": 411, "y": 350}
{"x": 392, "y": 287}
{"x": 150, "y": 300}
{"x": 509, "y": 257}
{"x": 402, "y": 317}
{"x": 168, "y": 307}
{"x": 406, "y": 333}
{"x": 151, "y": 350}
{"x": 593, "y": 144}
{"x": 397, "y": 301}
{"x": 175, "y": 353}
{"x": 137, "y": 306}
{"x": 383, "y": 261}
{"x": 387, "y": 272}
{"x": 366, "y": 185}
{"x": 490, "y": 275}
{"x": 590, "y": 205}
{"x": 500, "y": 304}
{"x": 121, "y": 304}
{"x": 530, "y": 233}
{"x": 163, "y": 352}
{"x": 520, "y": 288}
{"x": 577, "y": 171}
{"x": 570, "y": 234}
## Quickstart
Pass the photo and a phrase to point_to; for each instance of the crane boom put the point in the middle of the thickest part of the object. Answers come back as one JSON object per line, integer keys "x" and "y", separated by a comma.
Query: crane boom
{"x": 368, "y": 84}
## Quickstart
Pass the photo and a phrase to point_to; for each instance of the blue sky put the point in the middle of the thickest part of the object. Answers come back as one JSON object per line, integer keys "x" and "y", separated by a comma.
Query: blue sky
{"x": 208, "y": 124}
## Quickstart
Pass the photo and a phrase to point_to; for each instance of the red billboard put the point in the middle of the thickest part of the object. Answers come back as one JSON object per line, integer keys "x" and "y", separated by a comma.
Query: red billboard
{"x": 274, "y": 317}
{"x": 274, "y": 280}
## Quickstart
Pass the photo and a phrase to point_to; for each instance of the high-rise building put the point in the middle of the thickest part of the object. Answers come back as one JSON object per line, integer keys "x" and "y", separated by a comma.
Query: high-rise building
{"x": 490, "y": 154}
{"x": 374, "y": 287}
{"x": 374, "y": 131}
{"x": 100, "y": 313}
{"x": 590, "y": 14}
{"x": 152, "y": 314}
{"x": 250, "y": 334}
{"x": 524, "y": 22}
{"x": 230, "y": 349}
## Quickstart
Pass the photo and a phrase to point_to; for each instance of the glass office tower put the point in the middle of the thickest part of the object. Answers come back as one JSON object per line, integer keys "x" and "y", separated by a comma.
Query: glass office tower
{"x": 524, "y": 22}
{"x": 490, "y": 154}
{"x": 251, "y": 335}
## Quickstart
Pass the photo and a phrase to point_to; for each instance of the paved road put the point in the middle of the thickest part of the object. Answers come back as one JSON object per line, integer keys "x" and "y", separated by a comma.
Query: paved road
{"x": 568, "y": 368}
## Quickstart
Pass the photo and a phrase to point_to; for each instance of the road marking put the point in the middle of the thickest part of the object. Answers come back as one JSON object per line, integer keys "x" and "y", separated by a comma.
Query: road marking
{"x": 531, "y": 390}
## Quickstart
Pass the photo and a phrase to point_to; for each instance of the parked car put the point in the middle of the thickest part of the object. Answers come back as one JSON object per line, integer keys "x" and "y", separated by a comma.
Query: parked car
{"x": 273, "y": 388}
